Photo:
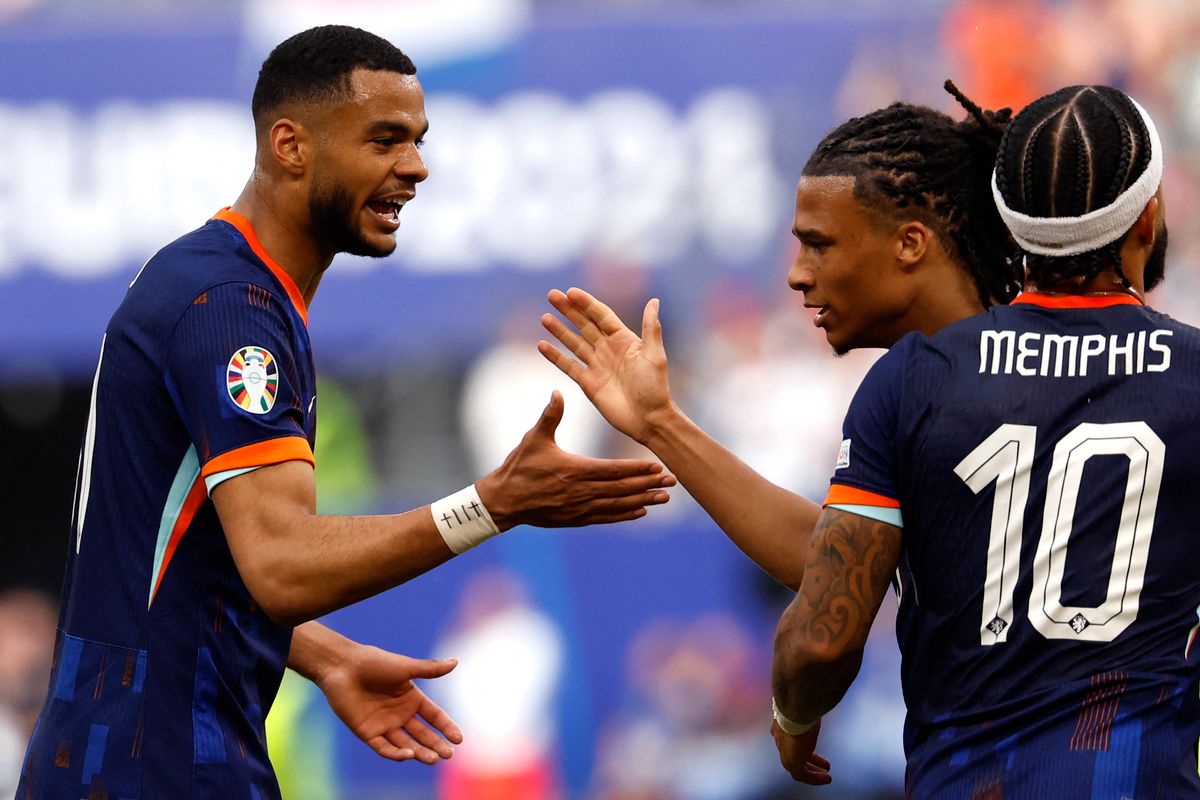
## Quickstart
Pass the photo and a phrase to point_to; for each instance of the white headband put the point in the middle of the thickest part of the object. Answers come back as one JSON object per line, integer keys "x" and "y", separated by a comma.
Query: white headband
{"x": 1070, "y": 236}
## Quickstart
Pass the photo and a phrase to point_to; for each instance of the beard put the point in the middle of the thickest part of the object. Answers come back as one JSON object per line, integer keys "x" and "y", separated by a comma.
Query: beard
{"x": 1156, "y": 263}
{"x": 334, "y": 218}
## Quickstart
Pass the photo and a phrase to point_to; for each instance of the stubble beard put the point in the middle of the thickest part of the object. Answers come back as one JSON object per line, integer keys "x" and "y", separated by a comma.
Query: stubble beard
{"x": 334, "y": 215}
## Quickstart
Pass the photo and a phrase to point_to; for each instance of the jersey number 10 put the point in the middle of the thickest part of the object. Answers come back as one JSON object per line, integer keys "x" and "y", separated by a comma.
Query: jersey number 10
{"x": 1006, "y": 459}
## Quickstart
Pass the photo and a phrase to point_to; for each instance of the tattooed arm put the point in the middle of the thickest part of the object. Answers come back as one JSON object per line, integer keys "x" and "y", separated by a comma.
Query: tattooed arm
{"x": 820, "y": 639}
{"x": 819, "y": 642}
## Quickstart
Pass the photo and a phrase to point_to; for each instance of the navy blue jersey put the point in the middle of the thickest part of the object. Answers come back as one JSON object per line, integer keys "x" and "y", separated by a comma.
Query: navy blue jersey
{"x": 164, "y": 667}
{"x": 1041, "y": 459}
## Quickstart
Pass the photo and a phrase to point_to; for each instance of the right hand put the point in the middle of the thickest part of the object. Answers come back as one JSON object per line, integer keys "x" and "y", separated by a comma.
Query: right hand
{"x": 541, "y": 484}
{"x": 625, "y": 377}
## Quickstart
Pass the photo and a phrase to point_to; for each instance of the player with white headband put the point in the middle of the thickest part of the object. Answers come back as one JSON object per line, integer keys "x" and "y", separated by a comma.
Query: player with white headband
{"x": 1027, "y": 474}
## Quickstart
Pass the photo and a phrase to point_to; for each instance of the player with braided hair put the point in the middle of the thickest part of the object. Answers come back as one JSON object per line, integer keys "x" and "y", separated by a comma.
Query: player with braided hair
{"x": 1027, "y": 475}
{"x": 916, "y": 173}
{"x": 1085, "y": 146}
{"x": 913, "y": 160}
{"x": 897, "y": 233}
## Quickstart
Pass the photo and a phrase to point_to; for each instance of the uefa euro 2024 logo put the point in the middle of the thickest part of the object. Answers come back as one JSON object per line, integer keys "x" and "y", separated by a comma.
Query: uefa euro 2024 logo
{"x": 252, "y": 379}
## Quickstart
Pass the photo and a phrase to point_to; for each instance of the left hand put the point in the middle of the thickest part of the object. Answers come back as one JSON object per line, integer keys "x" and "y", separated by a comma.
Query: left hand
{"x": 541, "y": 484}
{"x": 797, "y": 755}
{"x": 372, "y": 691}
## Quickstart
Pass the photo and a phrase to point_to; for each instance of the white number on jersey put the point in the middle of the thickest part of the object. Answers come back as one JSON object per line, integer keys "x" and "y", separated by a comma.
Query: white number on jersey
{"x": 1006, "y": 459}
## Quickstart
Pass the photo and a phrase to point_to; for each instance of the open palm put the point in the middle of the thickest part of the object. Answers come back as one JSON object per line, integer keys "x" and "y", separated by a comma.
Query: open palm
{"x": 624, "y": 376}
{"x": 373, "y": 693}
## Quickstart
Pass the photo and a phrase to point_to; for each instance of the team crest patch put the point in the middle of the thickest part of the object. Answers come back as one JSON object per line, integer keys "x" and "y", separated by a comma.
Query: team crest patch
{"x": 252, "y": 379}
{"x": 843, "y": 459}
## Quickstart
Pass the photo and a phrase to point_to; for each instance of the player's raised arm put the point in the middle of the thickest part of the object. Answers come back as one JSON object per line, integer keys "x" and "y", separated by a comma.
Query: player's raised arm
{"x": 626, "y": 378}
{"x": 299, "y": 565}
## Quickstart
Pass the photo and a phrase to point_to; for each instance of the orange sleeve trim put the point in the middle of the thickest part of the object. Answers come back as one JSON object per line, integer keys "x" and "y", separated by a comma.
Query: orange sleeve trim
{"x": 1075, "y": 300}
{"x": 261, "y": 454}
{"x": 242, "y": 224}
{"x": 848, "y": 495}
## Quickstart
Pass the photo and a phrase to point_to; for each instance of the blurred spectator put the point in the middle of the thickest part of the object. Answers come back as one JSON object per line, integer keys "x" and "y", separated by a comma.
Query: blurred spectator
{"x": 503, "y": 694}
{"x": 346, "y": 480}
{"x": 1000, "y": 51}
{"x": 695, "y": 728}
{"x": 507, "y": 387}
{"x": 27, "y": 623}
{"x": 767, "y": 387}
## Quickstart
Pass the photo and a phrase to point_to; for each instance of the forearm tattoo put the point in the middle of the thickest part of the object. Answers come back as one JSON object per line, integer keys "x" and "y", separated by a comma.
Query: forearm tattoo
{"x": 851, "y": 561}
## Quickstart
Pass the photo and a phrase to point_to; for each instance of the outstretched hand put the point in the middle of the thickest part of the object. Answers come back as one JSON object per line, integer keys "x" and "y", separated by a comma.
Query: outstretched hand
{"x": 797, "y": 755}
{"x": 625, "y": 377}
{"x": 373, "y": 693}
{"x": 541, "y": 484}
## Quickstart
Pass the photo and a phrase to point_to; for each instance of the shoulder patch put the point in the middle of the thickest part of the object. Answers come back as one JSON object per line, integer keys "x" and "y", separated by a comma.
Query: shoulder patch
{"x": 843, "y": 459}
{"x": 252, "y": 379}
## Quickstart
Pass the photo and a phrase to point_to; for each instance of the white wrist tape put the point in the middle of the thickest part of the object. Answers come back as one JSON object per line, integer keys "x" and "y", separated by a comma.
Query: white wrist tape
{"x": 788, "y": 726}
{"x": 462, "y": 520}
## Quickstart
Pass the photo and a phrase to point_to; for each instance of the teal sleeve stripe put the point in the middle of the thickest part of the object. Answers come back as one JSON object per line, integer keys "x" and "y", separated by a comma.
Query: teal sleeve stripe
{"x": 889, "y": 515}
{"x": 185, "y": 477}
{"x": 217, "y": 478}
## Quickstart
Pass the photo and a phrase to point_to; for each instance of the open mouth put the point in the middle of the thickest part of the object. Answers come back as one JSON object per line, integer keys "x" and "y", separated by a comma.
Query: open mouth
{"x": 387, "y": 210}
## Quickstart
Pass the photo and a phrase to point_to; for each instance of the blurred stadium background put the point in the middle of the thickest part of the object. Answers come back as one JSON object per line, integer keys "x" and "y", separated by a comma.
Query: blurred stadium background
{"x": 637, "y": 149}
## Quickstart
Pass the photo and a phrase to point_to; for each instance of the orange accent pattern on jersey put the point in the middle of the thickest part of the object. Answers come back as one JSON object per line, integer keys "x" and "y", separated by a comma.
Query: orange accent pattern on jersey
{"x": 243, "y": 225}
{"x": 1075, "y": 300}
{"x": 850, "y": 496}
{"x": 258, "y": 296}
{"x": 1098, "y": 710}
{"x": 261, "y": 454}
{"x": 191, "y": 504}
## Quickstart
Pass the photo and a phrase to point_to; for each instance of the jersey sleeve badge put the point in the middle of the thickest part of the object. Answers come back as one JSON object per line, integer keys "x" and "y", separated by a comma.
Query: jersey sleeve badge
{"x": 252, "y": 379}
{"x": 843, "y": 458}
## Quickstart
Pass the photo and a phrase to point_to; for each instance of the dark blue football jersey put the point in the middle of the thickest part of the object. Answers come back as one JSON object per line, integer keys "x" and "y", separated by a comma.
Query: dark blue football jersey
{"x": 1041, "y": 459}
{"x": 164, "y": 667}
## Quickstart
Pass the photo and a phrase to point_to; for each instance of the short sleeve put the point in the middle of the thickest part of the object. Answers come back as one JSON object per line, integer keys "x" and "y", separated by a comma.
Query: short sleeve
{"x": 865, "y": 481}
{"x": 233, "y": 376}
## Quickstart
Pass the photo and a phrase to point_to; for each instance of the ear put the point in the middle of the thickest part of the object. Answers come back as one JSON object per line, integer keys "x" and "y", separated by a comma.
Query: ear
{"x": 288, "y": 144}
{"x": 913, "y": 240}
{"x": 1144, "y": 227}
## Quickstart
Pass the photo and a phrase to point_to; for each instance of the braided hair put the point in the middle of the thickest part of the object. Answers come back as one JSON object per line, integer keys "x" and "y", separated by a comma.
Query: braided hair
{"x": 1066, "y": 154}
{"x": 916, "y": 162}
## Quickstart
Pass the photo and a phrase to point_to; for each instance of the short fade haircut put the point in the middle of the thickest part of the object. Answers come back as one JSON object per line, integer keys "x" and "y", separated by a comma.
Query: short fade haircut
{"x": 314, "y": 66}
{"x": 914, "y": 162}
{"x": 1069, "y": 153}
